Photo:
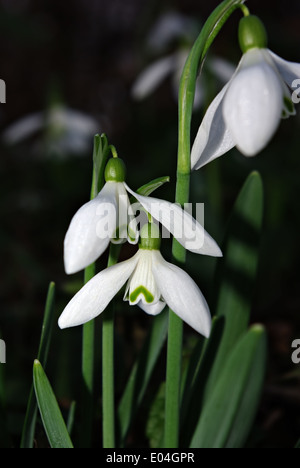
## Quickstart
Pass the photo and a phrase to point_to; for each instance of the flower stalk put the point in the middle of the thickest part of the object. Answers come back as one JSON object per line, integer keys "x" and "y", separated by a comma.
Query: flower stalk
{"x": 108, "y": 381}
{"x": 186, "y": 100}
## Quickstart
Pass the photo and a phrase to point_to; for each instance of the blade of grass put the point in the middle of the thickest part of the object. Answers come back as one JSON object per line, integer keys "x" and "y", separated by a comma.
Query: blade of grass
{"x": 53, "y": 421}
{"x": 28, "y": 431}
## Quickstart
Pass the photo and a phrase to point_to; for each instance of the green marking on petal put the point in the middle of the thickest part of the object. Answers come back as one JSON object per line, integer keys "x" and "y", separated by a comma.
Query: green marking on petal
{"x": 142, "y": 290}
{"x": 288, "y": 103}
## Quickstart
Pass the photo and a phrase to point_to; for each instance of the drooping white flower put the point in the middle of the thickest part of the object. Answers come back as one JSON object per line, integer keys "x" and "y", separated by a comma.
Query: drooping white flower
{"x": 248, "y": 110}
{"x": 172, "y": 65}
{"x": 107, "y": 218}
{"x": 173, "y": 26}
{"x": 152, "y": 283}
{"x": 61, "y": 131}
{"x": 111, "y": 218}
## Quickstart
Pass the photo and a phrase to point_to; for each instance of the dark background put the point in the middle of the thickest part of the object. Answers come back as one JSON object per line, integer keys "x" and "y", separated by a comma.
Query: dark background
{"x": 89, "y": 53}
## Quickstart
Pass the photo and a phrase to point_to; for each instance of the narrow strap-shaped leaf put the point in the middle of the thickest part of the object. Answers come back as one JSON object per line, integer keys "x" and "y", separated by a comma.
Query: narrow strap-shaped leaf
{"x": 100, "y": 157}
{"x": 47, "y": 327}
{"x": 53, "y": 421}
{"x": 71, "y": 417}
{"x": 149, "y": 188}
{"x": 141, "y": 374}
{"x": 236, "y": 276}
{"x": 231, "y": 407}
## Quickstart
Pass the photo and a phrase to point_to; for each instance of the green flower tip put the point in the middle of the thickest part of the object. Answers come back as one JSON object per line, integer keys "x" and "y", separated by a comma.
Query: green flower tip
{"x": 150, "y": 237}
{"x": 252, "y": 33}
{"x": 115, "y": 170}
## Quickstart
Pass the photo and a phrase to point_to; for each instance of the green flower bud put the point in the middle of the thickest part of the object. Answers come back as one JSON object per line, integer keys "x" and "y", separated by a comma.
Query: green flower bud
{"x": 252, "y": 34}
{"x": 150, "y": 237}
{"x": 115, "y": 170}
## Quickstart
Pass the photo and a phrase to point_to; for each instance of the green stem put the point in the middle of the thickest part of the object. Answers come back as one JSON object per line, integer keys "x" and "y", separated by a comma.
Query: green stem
{"x": 88, "y": 343}
{"x": 245, "y": 10}
{"x": 186, "y": 100}
{"x": 108, "y": 403}
{"x": 100, "y": 157}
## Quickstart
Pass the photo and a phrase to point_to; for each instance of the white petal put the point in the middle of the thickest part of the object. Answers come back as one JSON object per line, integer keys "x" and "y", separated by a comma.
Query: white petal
{"x": 152, "y": 309}
{"x": 213, "y": 138}
{"x": 24, "y": 128}
{"x": 95, "y": 296}
{"x": 152, "y": 77}
{"x": 189, "y": 232}
{"x": 222, "y": 69}
{"x": 72, "y": 120}
{"x": 182, "y": 295}
{"x": 172, "y": 26}
{"x": 253, "y": 107}
{"x": 290, "y": 71}
{"x": 90, "y": 230}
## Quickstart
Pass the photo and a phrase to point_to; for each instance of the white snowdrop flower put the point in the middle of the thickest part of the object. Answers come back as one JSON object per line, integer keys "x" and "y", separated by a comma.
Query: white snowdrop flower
{"x": 248, "y": 110}
{"x": 172, "y": 65}
{"x": 65, "y": 131}
{"x": 110, "y": 217}
{"x": 107, "y": 218}
{"x": 174, "y": 26}
{"x": 152, "y": 283}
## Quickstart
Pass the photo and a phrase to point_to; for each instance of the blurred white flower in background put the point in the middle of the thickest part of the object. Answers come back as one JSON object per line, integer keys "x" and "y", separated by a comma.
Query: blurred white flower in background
{"x": 183, "y": 30}
{"x": 61, "y": 132}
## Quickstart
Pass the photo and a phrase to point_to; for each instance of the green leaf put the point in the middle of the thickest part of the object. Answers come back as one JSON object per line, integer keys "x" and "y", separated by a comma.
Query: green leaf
{"x": 71, "y": 417}
{"x": 230, "y": 409}
{"x": 100, "y": 157}
{"x": 141, "y": 374}
{"x": 236, "y": 275}
{"x": 147, "y": 189}
{"x": 197, "y": 373}
{"x": 156, "y": 418}
{"x": 47, "y": 327}
{"x": 53, "y": 421}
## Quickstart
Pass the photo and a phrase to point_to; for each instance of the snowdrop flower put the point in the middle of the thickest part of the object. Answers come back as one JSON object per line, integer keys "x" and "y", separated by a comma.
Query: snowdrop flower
{"x": 172, "y": 65}
{"x": 152, "y": 283}
{"x": 107, "y": 218}
{"x": 65, "y": 131}
{"x": 111, "y": 218}
{"x": 248, "y": 110}
{"x": 175, "y": 26}
{"x": 172, "y": 27}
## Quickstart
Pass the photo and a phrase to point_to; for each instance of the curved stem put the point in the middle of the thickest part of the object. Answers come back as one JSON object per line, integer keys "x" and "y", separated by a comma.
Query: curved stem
{"x": 186, "y": 101}
{"x": 245, "y": 10}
